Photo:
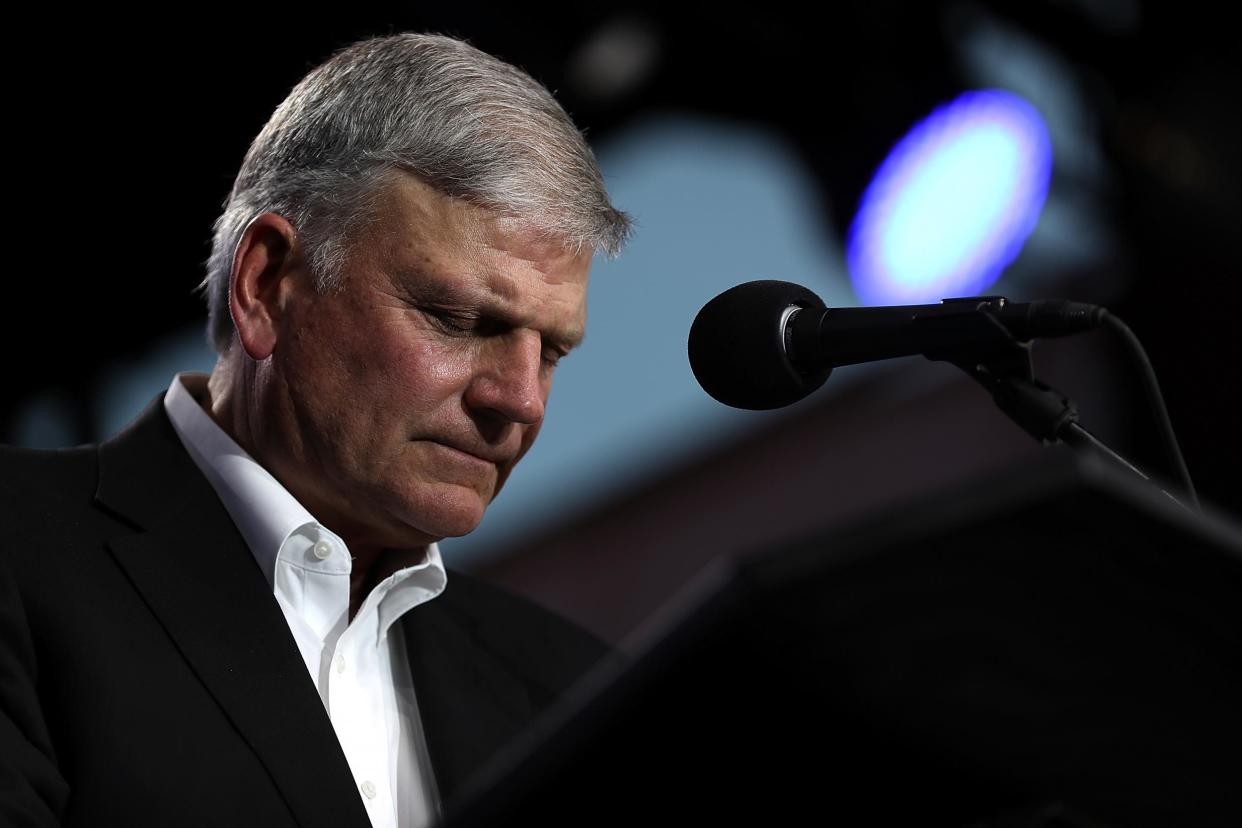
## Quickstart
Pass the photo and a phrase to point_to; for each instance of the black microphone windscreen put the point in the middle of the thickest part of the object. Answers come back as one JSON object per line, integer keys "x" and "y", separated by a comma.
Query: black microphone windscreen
{"x": 737, "y": 346}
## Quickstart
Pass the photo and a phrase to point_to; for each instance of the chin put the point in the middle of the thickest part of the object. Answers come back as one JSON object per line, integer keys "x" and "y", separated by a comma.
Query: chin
{"x": 450, "y": 515}
{"x": 454, "y": 528}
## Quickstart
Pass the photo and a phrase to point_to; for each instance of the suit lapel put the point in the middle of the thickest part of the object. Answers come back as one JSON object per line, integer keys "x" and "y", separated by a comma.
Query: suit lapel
{"x": 191, "y": 565}
{"x": 470, "y": 700}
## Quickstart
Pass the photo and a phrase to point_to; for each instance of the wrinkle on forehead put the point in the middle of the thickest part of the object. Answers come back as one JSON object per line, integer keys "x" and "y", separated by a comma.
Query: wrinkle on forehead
{"x": 425, "y": 216}
{"x": 523, "y": 240}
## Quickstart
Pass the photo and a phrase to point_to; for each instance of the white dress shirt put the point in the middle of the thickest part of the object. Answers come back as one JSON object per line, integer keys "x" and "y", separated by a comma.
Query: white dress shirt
{"x": 360, "y": 666}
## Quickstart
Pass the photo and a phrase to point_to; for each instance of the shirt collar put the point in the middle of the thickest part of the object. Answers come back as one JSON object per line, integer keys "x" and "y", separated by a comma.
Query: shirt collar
{"x": 264, "y": 511}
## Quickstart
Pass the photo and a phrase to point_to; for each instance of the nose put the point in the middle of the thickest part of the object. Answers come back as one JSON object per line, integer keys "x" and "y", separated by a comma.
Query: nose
{"x": 509, "y": 384}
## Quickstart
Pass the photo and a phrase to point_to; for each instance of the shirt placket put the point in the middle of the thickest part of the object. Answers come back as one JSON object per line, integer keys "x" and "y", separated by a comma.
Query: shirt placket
{"x": 356, "y": 701}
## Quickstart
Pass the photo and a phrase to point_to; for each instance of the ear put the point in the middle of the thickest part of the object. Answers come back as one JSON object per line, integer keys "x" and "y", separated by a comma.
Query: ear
{"x": 265, "y": 270}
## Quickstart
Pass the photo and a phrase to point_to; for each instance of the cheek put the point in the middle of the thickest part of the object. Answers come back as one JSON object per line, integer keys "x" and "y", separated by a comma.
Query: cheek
{"x": 387, "y": 355}
{"x": 361, "y": 386}
{"x": 528, "y": 439}
{"x": 416, "y": 374}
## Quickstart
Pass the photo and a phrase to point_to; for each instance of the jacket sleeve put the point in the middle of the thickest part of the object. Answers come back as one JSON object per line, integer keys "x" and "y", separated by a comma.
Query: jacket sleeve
{"x": 33, "y": 792}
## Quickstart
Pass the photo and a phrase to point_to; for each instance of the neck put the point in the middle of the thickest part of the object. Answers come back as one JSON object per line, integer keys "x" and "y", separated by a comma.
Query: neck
{"x": 227, "y": 403}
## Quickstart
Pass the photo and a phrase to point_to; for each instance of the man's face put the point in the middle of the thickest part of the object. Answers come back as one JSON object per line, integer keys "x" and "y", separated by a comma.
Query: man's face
{"x": 400, "y": 403}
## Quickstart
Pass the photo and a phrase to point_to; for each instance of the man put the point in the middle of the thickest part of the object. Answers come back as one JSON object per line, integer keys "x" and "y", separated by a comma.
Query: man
{"x": 235, "y": 612}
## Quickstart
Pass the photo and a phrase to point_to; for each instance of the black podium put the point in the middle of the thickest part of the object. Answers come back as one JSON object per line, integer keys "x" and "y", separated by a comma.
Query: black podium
{"x": 1055, "y": 646}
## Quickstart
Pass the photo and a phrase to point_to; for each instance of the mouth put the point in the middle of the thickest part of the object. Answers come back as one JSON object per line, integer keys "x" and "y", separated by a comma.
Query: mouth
{"x": 490, "y": 458}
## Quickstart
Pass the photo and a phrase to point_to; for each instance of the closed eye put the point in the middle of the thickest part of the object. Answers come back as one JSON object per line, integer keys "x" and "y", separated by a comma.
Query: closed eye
{"x": 457, "y": 323}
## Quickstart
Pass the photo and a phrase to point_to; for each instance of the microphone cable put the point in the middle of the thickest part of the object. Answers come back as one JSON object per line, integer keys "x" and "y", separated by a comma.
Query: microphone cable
{"x": 1155, "y": 401}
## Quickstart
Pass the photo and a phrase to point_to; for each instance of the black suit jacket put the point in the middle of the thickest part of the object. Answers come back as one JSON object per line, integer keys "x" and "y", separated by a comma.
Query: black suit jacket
{"x": 148, "y": 677}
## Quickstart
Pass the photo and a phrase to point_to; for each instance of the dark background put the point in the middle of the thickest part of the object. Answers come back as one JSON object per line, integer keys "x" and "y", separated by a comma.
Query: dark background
{"x": 126, "y": 131}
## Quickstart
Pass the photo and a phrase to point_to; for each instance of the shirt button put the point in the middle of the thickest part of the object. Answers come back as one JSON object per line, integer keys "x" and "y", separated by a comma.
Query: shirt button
{"x": 368, "y": 790}
{"x": 340, "y": 664}
{"x": 322, "y": 550}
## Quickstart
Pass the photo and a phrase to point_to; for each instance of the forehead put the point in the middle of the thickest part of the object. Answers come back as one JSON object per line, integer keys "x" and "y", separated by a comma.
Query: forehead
{"x": 414, "y": 223}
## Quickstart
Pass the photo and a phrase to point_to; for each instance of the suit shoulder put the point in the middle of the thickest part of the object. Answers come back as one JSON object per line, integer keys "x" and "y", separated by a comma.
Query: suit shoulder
{"x": 38, "y": 486}
{"x": 525, "y": 631}
{"x": 38, "y": 470}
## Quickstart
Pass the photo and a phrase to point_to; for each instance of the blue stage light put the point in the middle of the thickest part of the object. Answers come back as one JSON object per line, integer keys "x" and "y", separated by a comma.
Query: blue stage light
{"x": 952, "y": 204}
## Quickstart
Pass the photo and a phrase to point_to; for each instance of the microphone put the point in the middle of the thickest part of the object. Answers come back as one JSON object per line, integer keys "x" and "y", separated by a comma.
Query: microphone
{"x": 768, "y": 344}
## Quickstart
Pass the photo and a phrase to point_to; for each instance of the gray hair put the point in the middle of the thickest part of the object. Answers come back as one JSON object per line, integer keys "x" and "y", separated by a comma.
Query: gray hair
{"x": 467, "y": 124}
